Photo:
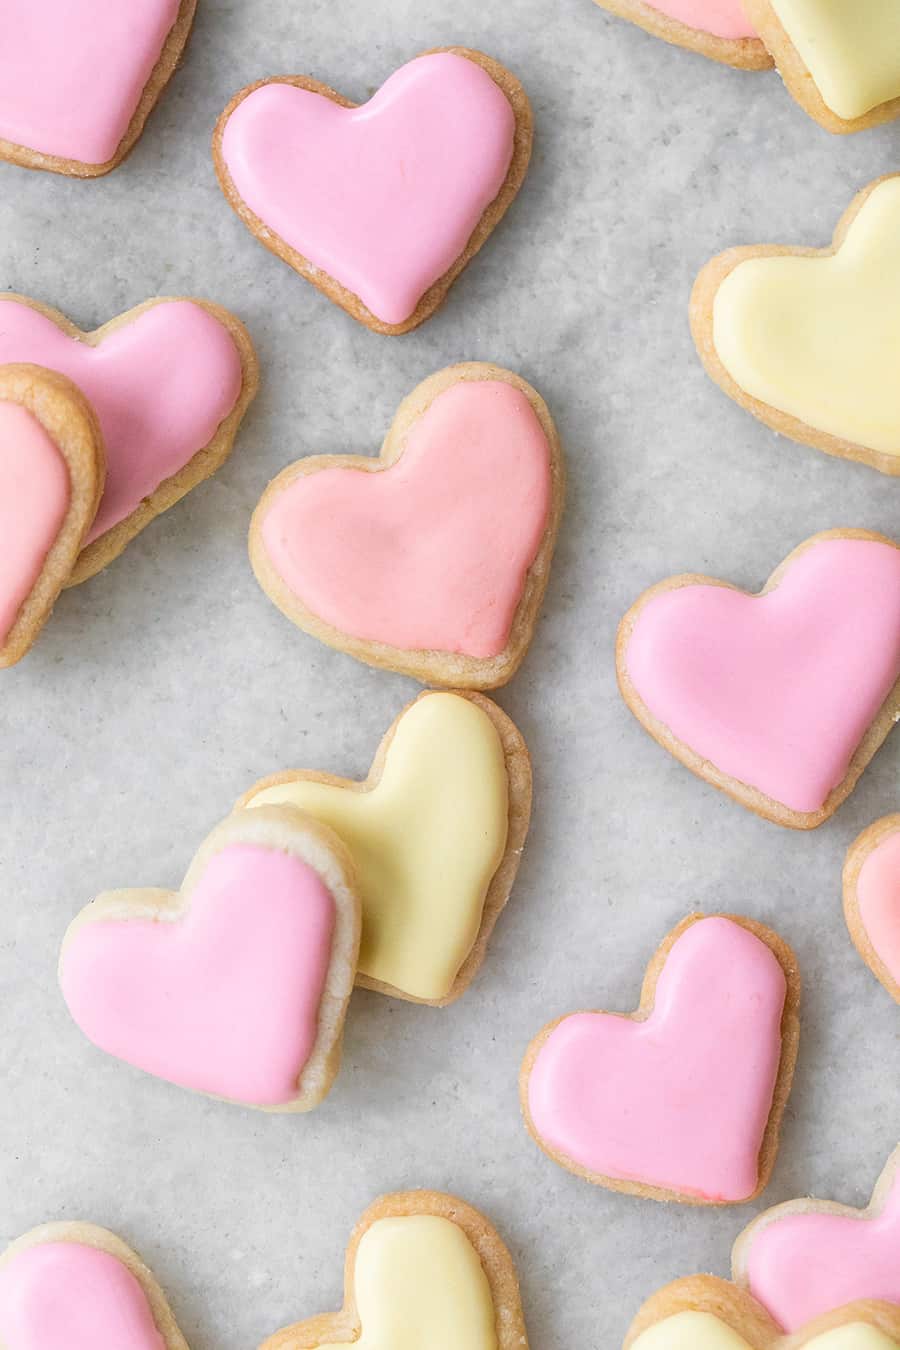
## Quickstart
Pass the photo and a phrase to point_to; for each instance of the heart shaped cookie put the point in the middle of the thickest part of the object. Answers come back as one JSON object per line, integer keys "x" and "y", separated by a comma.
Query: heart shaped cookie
{"x": 806, "y": 1258}
{"x": 79, "y": 1286}
{"x": 841, "y": 62}
{"x": 79, "y": 78}
{"x": 703, "y": 1313}
{"x": 433, "y": 559}
{"x": 779, "y": 699}
{"x": 52, "y": 468}
{"x": 381, "y": 205}
{"x": 872, "y": 900}
{"x": 436, "y": 832}
{"x": 237, "y": 985}
{"x": 170, "y": 382}
{"x": 718, "y": 29}
{"x": 805, "y": 338}
{"x": 423, "y": 1271}
{"x": 656, "y": 1103}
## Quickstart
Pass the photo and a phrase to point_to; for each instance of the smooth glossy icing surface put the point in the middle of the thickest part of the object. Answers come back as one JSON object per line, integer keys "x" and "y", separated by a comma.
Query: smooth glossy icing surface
{"x": 426, "y": 841}
{"x": 72, "y": 71}
{"x": 160, "y": 383}
{"x": 878, "y": 896}
{"x": 703, "y": 1331}
{"x": 850, "y": 47}
{"x": 420, "y": 1286}
{"x": 719, "y": 18}
{"x": 383, "y": 197}
{"x": 68, "y": 1296}
{"x": 432, "y": 552}
{"x": 776, "y": 690}
{"x": 666, "y": 1101}
{"x": 34, "y": 497}
{"x": 800, "y": 1266}
{"x": 225, "y": 999}
{"x": 815, "y": 337}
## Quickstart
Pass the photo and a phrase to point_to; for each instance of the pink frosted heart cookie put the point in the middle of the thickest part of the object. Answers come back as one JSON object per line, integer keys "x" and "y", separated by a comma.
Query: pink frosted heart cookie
{"x": 779, "y": 699}
{"x": 432, "y": 559}
{"x": 79, "y": 78}
{"x": 79, "y": 1286}
{"x": 656, "y": 1103}
{"x": 237, "y": 985}
{"x": 718, "y": 29}
{"x": 52, "y": 469}
{"x": 872, "y": 900}
{"x": 379, "y": 205}
{"x": 806, "y": 1258}
{"x": 169, "y": 381}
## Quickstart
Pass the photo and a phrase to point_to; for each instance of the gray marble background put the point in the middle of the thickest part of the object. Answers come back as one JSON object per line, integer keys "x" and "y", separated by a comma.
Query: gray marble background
{"x": 168, "y": 684}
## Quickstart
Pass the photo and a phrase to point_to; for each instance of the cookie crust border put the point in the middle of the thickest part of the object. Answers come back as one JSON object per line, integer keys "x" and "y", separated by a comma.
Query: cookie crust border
{"x": 201, "y": 466}
{"x": 344, "y": 1327}
{"x": 90, "y": 1235}
{"x": 799, "y": 80}
{"x": 433, "y": 666}
{"x": 519, "y": 780}
{"x": 166, "y": 65}
{"x": 865, "y": 844}
{"x": 752, "y": 798}
{"x": 741, "y": 53}
{"x": 701, "y": 310}
{"x": 493, "y": 213}
{"x": 790, "y": 1037}
{"x": 71, "y": 424}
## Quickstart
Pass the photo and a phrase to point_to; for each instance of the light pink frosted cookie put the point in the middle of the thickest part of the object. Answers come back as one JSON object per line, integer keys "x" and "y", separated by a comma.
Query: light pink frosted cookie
{"x": 379, "y": 205}
{"x": 872, "y": 900}
{"x": 236, "y": 985}
{"x": 718, "y": 29}
{"x": 79, "y": 78}
{"x": 657, "y": 1103}
{"x": 779, "y": 699}
{"x": 432, "y": 559}
{"x": 169, "y": 381}
{"x": 77, "y": 1286}
{"x": 806, "y": 1258}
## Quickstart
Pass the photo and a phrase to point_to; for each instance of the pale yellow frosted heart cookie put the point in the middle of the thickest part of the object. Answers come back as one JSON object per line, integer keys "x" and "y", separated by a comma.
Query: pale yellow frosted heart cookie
{"x": 807, "y": 339}
{"x": 436, "y": 832}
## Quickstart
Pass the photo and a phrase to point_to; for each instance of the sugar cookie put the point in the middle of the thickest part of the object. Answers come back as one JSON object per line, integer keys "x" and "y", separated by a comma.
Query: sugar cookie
{"x": 718, "y": 29}
{"x": 431, "y": 560}
{"x": 872, "y": 900}
{"x": 436, "y": 832}
{"x": 779, "y": 699}
{"x": 380, "y": 205}
{"x": 237, "y": 984}
{"x": 656, "y": 1103}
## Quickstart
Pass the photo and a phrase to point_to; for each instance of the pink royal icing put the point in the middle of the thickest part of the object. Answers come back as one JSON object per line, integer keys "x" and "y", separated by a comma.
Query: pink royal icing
{"x": 777, "y": 690}
{"x": 224, "y": 1000}
{"x": 719, "y": 18}
{"x": 160, "y": 383}
{"x": 72, "y": 71}
{"x": 878, "y": 897}
{"x": 34, "y": 497}
{"x": 431, "y": 553}
{"x": 804, "y": 1265}
{"x": 57, "y": 1294}
{"x": 666, "y": 1101}
{"x": 383, "y": 197}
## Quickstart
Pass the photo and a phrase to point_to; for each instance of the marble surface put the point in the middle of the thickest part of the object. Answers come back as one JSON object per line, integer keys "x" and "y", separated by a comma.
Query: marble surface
{"x": 164, "y": 687}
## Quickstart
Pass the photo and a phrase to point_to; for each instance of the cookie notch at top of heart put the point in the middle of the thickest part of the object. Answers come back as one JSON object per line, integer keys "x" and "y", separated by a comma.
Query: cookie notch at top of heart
{"x": 79, "y": 79}
{"x": 804, "y": 338}
{"x": 79, "y": 1286}
{"x": 718, "y": 29}
{"x": 387, "y": 243}
{"x": 422, "y": 1270}
{"x": 432, "y": 559}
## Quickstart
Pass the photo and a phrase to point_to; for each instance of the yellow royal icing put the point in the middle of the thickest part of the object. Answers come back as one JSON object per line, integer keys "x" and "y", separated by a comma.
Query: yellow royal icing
{"x": 420, "y": 1286}
{"x": 427, "y": 841}
{"x": 704, "y": 1331}
{"x": 818, "y": 337}
{"x": 850, "y": 47}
